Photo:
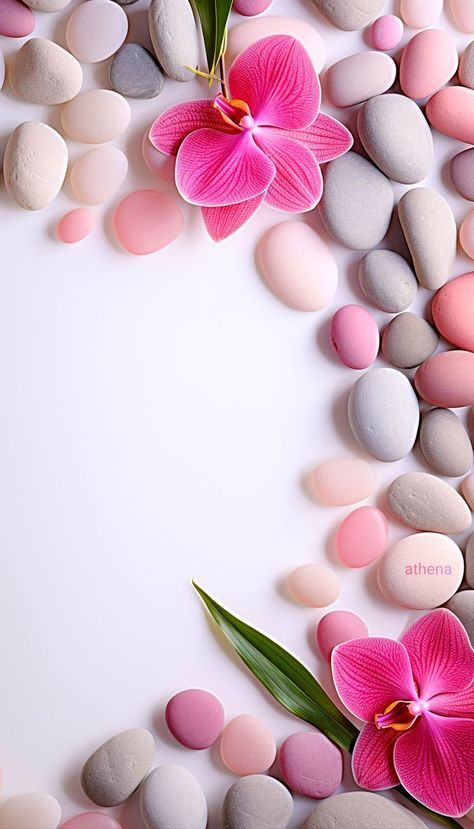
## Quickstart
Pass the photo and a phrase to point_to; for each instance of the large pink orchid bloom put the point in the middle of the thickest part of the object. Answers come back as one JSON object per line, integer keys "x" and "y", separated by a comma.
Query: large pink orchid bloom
{"x": 417, "y": 698}
{"x": 264, "y": 143}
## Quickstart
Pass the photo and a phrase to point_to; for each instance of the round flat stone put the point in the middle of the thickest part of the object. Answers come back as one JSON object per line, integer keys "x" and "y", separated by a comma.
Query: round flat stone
{"x": 445, "y": 443}
{"x": 419, "y": 14}
{"x": 247, "y": 745}
{"x": 174, "y": 37}
{"x": 97, "y": 175}
{"x": 135, "y": 73}
{"x": 257, "y": 802}
{"x": 387, "y": 280}
{"x": 429, "y": 61}
{"x": 195, "y": 718}
{"x": 247, "y": 32}
{"x": 16, "y": 19}
{"x": 34, "y": 165}
{"x": 30, "y": 811}
{"x": 408, "y": 340}
{"x": 310, "y": 764}
{"x": 91, "y": 820}
{"x": 447, "y": 379}
{"x": 336, "y": 627}
{"x": 76, "y": 225}
{"x": 425, "y": 502}
{"x": 430, "y": 231}
{"x": 362, "y": 537}
{"x": 358, "y": 77}
{"x": 117, "y": 767}
{"x": 462, "y": 173}
{"x": 146, "y": 221}
{"x": 95, "y": 30}
{"x": 313, "y": 585}
{"x": 341, "y": 481}
{"x": 361, "y": 809}
{"x": 386, "y": 32}
{"x": 96, "y": 116}
{"x": 172, "y": 798}
{"x": 451, "y": 309}
{"x": 351, "y": 14}
{"x": 462, "y": 605}
{"x": 44, "y": 73}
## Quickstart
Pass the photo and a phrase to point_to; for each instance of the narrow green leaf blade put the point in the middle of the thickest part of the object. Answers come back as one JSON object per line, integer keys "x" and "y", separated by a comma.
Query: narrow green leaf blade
{"x": 222, "y": 11}
{"x": 207, "y": 16}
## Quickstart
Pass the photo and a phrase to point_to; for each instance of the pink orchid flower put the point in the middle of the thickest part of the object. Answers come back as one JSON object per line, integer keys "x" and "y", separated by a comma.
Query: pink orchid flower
{"x": 262, "y": 144}
{"x": 417, "y": 698}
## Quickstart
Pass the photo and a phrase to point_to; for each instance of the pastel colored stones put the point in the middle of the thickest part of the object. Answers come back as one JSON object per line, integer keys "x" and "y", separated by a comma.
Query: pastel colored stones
{"x": 117, "y": 767}
{"x": 95, "y": 30}
{"x": 383, "y": 413}
{"x": 462, "y": 605}
{"x": 430, "y": 232}
{"x": 310, "y": 764}
{"x": 44, "y": 73}
{"x": 362, "y": 537}
{"x": 386, "y": 32}
{"x": 358, "y": 77}
{"x": 195, "y": 718}
{"x": 298, "y": 266}
{"x": 462, "y": 173}
{"x": 246, "y": 33}
{"x": 447, "y": 379}
{"x": 451, "y": 309}
{"x": 451, "y": 111}
{"x": 354, "y": 336}
{"x": 408, "y": 340}
{"x": 425, "y": 502}
{"x": 357, "y": 202}
{"x": 30, "y": 811}
{"x": 34, "y": 165}
{"x": 364, "y": 809}
{"x": 445, "y": 443}
{"x": 91, "y": 820}
{"x": 463, "y": 14}
{"x": 172, "y": 798}
{"x": 336, "y": 627}
{"x": 147, "y": 221}
{"x": 313, "y": 585}
{"x": 429, "y": 61}
{"x": 97, "y": 175}
{"x": 135, "y": 73}
{"x": 76, "y": 225}
{"x": 16, "y": 19}
{"x": 419, "y": 14}
{"x": 251, "y": 7}
{"x": 247, "y": 746}
{"x": 387, "y": 280}
{"x": 96, "y": 116}
{"x": 396, "y": 137}
{"x": 466, "y": 66}
{"x": 257, "y": 802}
{"x": 175, "y": 37}
{"x": 342, "y": 481}
{"x": 350, "y": 15}
{"x": 466, "y": 235}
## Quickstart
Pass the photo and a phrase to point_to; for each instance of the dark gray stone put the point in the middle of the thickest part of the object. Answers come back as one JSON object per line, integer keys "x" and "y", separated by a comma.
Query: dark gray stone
{"x": 135, "y": 73}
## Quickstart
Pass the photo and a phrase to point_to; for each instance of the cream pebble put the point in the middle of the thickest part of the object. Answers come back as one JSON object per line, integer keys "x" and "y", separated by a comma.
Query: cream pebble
{"x": 341, "y": 481}
{"x": 447, "y": 379}
{"x": 91, "y": 820}
{"x": 116, "y": 768}
{"x": 429, "y": 61}
{"x": 466, "y": 66}
{"x": 47, "y": 5}
{"x": 425, "y": 502}
{"x": 34, "y": 165}
{"x": 298, "y": 266}
{"x": 97, "y": 175}
{"x": 408, "y": 340}
{"x": 358, "y": 77}
{"x": 361, "y": 810}
{"x": 313, "y": 585}
{"x": 419, "y": 14}
{"x": 386, "y": 32}
{"x": 463, "y": 14}
{"x": 147, "y": 221}
{"x": 246, "y": 33}
{"x": 96, "y": 116}
{"x": 467, "y": 489}
{"x": 354, "y": 336}
{"x": 30, "y": 811}
{"x": 362, "y": 537}
{"x": 44, "y": 73}
{"x": 172, "y": 798}
{"x": 96, "y": 30}
{"x": 247, "y": 745}
{"x": 466, "y": 235}
{"x": 336, "y": 627}
{"x": 451, "y": 112}
{"x": 430, "y": 231}
{"x": 387, "y": 280}
{"x": 452, "y": 311}
{"x": 76, "y": 225}
{"x": 445, "y": 443}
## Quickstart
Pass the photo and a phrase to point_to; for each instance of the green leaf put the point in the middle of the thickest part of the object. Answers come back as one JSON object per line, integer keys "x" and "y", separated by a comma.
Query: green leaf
{"x": 214, "y": 16}
{"x": 293, "y": 686}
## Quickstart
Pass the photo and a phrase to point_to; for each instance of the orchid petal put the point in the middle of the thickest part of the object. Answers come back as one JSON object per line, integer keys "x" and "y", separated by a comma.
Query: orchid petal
{"x": 222, "y": 222}
{"x": 276, "y": 78}
{"x": 214, "y": 169}
{"x": 434, "y": 761}
{"x": 298, "y": 183}
{"x": 326, "y": 138}
{"x": 370, "y": 674}
{"x": 372, "y": 758}
{"x": 440, "y": 653}
{"x": 171, "y": 128}
{"x": 460, "y": 704}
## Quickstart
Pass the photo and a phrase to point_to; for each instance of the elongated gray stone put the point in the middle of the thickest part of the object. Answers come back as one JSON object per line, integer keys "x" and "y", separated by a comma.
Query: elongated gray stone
{"x": 175, "y": 37}
{"x": 430, "y": 231}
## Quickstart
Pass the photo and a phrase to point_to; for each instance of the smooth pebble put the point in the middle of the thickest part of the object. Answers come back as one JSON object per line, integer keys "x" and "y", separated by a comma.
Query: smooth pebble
{"x": 386, "y": 32}
{"x": 195, "y": 718}
{"x": 384, "y": 414}
{"x": 408, "y": 340}
{"x": 251, "y": 7}
{"x": 425, "y": 502}
{"x": 313, "y": 585}
{"x": 357, "y": 202}
{"x": 470, "y": 555}
{"x": 247, "y": 745}
{"x": 451, "y": 112}
{"x": 445, "y": 443}
{"x": 429, "y": 61}
{"x": 467, "y": 489}
{"x": 364, "y": 810}
{"x": 116, "y": 768}
{"x": 76, "y": 225}
{"x": 350, "y": 15}
{"x": 96, "y": 116}
{"x": 175, "y": 37}
{"x": 244, "y": 34}
{"x": 362, "y": 537}
{"x": 462, "y": 605}
{"x": 354, "y": 336}
{"x": 91, "y": 820}
{"x": 452, "y": 311}
{"x": 147, "y": 221}
{"x": 387, "y": 280}
{"x": 447, "y": 379}
{"x": 172, "y": 798}
{"x": 297, "y": 266}
{"x": 466, "y": 66}
{"x": 462, "y": 173}
{"x": 30, "y": 811}
{"x": 95, "y": 30}
{"x": 16, "y": 19}
{"x": 342, "y": 481}
{"x": 47, "y": 5}
{"x": 310, "y": 764}
{"x": 161, "y": 166}
{"x": 134, "y": 72}
{"x": 44, "y": 73}
{"x": 358, "y": 77}
{"x": 466, "y": 235}
{"x": 257, "y": 802}
{"x": 430, "y": 231}
{"x": 463, "y": 13}
{"x": 419, "y": 14}
{"x": 336, "y": 627}
{"x": 34, "y": 165}
{"x": 97, "y": 175}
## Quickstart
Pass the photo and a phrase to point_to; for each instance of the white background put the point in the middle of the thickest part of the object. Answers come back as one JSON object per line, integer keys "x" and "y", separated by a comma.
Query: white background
{"x": 158, "y": 416}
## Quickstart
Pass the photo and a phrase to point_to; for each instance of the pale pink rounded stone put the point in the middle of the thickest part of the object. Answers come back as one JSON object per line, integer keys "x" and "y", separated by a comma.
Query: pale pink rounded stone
{"x": 362, "y": 537}
{"x": 195, "y": 718}
{"x": 429, "y": 61}
{"x": 314, "y": 585}
{"x": 310, "y": 764}
{"x": 31, "y": 810}
{"x": 96, "y": 116}
{"x": 96, "y": 30}
{"x": 97, "y": 175}
{"x": 452, "y": 311}
{"x": 354, "y": 336}
{"x": 386, "y": 32}
{"x": 246, "y": 33}
{"x": 341, "y": 481}
{"x": 91, "y": 820}
{"x": 76, "y": 225}
{"x": 247, "y": 745}
{"x": 251, "y": 7}
{"x": 466, "y": 235}
{"x": 336, "y": 627}
{"x": 451, "y": 111}
{"x": 467, "y": 489}
{"x": 160, "y": 165}
{"x": 16, "y": 19}
{"x": 146, "y": 221}
{"x": 418, "y": 14}
{"x": 447, "y": 379}
{"x": 463, "y": 13}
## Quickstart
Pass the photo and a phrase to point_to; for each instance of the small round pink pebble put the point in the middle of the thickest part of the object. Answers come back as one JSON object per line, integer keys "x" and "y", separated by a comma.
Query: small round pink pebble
{"x": 354, "y": 336}
{"x": 362, "y": 537}
{"x": 16, "y": 19}
{"x": 339, "y": 626}
{"x": 386, "y": 32}
{"x": 310, "y": 764}
{"x": 146, "y": 221}
{"x": 249, "y": 8}
{"x": 75, "y": 225}
{"x": 314, "y": 585}
{"x": 247, "y": 745}
{"x": 160, "y": 165}
{"x": 466, "y": 235}
{"x": 195, "y": 718}
{"x": 91, "y": 820}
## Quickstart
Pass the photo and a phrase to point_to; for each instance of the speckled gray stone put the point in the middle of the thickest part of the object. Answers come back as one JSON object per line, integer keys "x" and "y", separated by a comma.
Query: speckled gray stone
{"x": 427, "y": 503}
{"x": 134, "y": 72}
{"x": 117, "y": 767}
{"x": 462, "y": 173}
{"x": 430, "y": 231}
{"x": 408, "y": 340}
{"x": 462, "y": 605}
{"x": 172, "y": 798}
{"x": 466, "y": 66}
{"x": 175, "y": 37}
{"x": 349, "y": 15}
{"x": 257, "y": 802}
{"x": 470, "y": 561}
{"x": 445, "y": 443}
{"x": 397, "y": 137}
{"x": 357, "y": 202}
{"x": 387, "y": 280}
{"x": 361, "y": 810}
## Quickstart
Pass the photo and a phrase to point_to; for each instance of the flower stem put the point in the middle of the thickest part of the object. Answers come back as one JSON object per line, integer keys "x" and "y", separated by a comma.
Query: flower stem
{"x": 223, "y": 76}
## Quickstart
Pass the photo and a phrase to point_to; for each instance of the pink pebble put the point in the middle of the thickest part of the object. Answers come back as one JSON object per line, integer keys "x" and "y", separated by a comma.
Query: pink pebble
{"x": 451, "y": 111}
{"x": 249, "y": 8}
{"x": 195, "y": 718}
{"x": 466, "y": 236}
{"x": 429, "y": 61}
{"x": 146, "y": 221}
{"x": 160, "y": 165}
{"x": 76, "y": 225}
{"x": 362, "y": 537}
{"x": 310, "y": 764}
{"x": 354, "y": 336}
{"x": 339, "y": 626}
{"x": 247, "y": 745}
{"x": 16, "y": 19}
{"x": 419, "y": 14}
{"x": 91, "y": 820}
{"x": 341, "y": 481}
{"x": 447, "y": 379}
{"x": 386, "y": 32}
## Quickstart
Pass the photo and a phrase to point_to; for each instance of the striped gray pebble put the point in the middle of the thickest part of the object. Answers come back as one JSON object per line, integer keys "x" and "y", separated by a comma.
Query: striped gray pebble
{"x": 445, "y": 443}
{"x": 257, "y": 802}
{"x": 408, "y": 340}
{"x": 462, "y": 605}
{"x": 117, "y": 768}
{"x": 387, "y": 281}
{"x": 172, "y": 798}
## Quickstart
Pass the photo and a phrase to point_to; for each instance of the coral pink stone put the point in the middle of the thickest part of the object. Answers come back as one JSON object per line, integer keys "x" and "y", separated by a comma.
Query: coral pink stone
{"x": 310, "y": 764}
{"x": 354, "y": 336}
{"x": 247, "y": 745}
{"x": 452, "y": 311}
{"x": 362, "y": 537}
{"x": 195, "y": 718}
{"x": 451, "y": 111}
{"x": 76, "y": 225}
{"x": 160, "y": 165}
{"x": 339, "y": 626}
{"x": 146, "y": 221}
{"x": 16, "y": 19}
{"x": 386, "y": 32}
{"x": 251, "y": 7}
{"x": 429, "y": 61}
{"x": 91, "y": 820}
{"x": 447, "y": 379}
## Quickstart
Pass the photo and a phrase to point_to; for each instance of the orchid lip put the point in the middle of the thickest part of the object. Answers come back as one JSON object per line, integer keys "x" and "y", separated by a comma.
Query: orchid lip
{"x": 234, "y": 112}
{"x": 401, "y": 714}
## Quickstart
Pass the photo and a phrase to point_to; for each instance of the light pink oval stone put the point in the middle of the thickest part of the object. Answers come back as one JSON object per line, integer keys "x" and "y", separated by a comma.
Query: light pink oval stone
{"x": 97, "y": 175}
{"x": 251, "y": 7}
{"x": 341, "y": 481}
{"x": 314, "y": 585}
{"x": 362, "y": 537}
{"x": 76, "y": 225}
{"x": 146, "y": 221}
{"x": 310, "y": 764}
{"x": 354, "y": 336}
{"x": 447, "y": 379}
{"x": 418, "y": 14}
{"x": 247, "y": 745}
{"x": 160, "y": 165}
{"x": 359, "y": 77}
{"x": 96, "y": 30}
{"x": 463, "y": 13}
{"x": 336, "y": 627}
{"x": 195, "y": 718}
{"x": 247, "y": 32}
{"x": 451, "y": 111}
{"x": 386, "y": 32}
{"x": 429, "y": 61}
{"x": 96, "y": 116}
{"x": 16, "y": 19}
{"x": 466, "y": 236}
{"x": 91, "y": 820}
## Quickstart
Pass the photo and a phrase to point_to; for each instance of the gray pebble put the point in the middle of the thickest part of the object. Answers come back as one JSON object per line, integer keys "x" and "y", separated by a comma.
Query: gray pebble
{"x": 430, "y": 231}
{"x": 135, "y": 73}
{"x": 175, "y": 37}
{"x": 172, "y": 798}
{"x": 466, "y": 66}
{"x": 462, "y": 173}
{"x": 357, "y": 202}
{"x": 427, "y": 503}
{"x": 118, "y": 767}
{"x": 397, "y": 137}
{"x": 387, "y": 280}
{"x": 257, "y": 802}
{"x": 361, "y": 810}
{"x": 349, "y": 15}
{"x": 408, "y": 340}
{"x": 462, "y": 605}
{"x": 470, "y": 561}
{"x": 384, "y": 414}
{"x": 445, "y": 443}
